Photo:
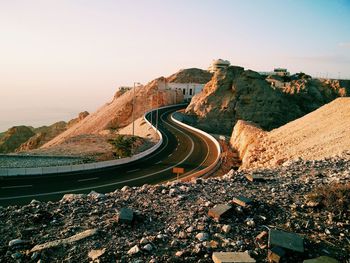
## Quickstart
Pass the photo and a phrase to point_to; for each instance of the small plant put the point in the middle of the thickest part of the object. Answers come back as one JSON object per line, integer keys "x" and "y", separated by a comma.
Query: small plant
{"x": 122, "y": 145}
{"x": 334, "y": 197}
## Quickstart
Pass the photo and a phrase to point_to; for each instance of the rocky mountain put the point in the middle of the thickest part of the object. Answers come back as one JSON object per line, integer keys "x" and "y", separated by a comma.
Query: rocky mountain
{"x": 236, "y": 94}
{"x": 14, "y": 137}
{"x": 320, "y": 134}
{"x": 25, "y": 138}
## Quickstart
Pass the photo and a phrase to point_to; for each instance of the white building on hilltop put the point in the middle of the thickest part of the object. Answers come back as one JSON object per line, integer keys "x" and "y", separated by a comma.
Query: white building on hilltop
{"x": 187, "y": 89}
{"x": 218, "y": 64}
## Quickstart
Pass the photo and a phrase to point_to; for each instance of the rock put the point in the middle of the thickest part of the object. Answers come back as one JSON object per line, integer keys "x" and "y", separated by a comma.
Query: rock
{"x": 69, "y": 240}
{"x": 95, "y": 195}
{"x": 242, "y": 201}
{"x": 134, "y": 250}
{"x": 18, "y": 243}
{"x": 286, "y": 240}
{"x": 202, "y": 236}
{"x": 219, "y": 211}
{"x": 16, "y": 255}
{"x": 226, "y": 228}
{"x": 179, "y": 253}
{"x": 96, "y": 253}
{"x": 72, "y": 197}
{"x": 182, "y": 235}
{"x": 232, "y": 257}
{"x": 126, "y": 216}
{"x": 147, "y": 247}
{"x": 125, "y": 188}
{"x": 261, "y": 239}
{"x": 144, "y": 241}
{"x": 35, "y": 256}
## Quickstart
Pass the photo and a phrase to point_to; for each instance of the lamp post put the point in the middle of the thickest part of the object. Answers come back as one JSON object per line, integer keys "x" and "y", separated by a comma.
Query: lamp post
{"x": 133, "y": 109}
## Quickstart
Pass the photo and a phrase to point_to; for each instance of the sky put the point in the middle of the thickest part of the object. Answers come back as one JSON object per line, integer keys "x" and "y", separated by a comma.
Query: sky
{"x": 58, "y": 58}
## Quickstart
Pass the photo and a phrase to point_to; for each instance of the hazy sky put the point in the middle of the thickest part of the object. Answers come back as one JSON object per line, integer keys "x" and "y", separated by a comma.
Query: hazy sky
{"x": 58, "y": 58}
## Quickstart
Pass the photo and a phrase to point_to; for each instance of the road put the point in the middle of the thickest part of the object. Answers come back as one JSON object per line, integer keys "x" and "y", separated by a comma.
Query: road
{"x": 181, "y": 147}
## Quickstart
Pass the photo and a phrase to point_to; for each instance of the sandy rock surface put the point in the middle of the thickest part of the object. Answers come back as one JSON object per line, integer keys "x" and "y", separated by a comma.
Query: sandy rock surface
{"x": 322, "y": 133}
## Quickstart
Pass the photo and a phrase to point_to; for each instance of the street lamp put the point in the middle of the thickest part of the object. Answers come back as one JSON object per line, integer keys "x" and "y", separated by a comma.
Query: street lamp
{"x": 133, "y": 107}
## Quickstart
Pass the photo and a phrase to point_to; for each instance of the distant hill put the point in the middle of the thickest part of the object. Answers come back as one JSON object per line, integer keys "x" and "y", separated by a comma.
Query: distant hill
{"x": 14, "y": 137}
{"x": 25, "y": 138}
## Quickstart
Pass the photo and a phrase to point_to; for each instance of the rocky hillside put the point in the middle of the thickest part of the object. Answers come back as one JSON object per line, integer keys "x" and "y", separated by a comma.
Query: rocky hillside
{"x": 46, "y": 133}
{"x": 14, "y": 137}
{"x": 176, "y": 222}
{"x": 26, "y": 138}
{"x": 118, "y": 113}
{"x": 319, "y": 134}
{"x": 236, "y": 94}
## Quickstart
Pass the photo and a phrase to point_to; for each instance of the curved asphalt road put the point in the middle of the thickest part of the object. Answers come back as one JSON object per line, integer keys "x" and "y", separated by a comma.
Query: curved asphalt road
{"x": 181, "y": 148}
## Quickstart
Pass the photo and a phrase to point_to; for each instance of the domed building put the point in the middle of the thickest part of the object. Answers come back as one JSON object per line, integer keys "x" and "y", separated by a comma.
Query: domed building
{"x": 218, "y": 64}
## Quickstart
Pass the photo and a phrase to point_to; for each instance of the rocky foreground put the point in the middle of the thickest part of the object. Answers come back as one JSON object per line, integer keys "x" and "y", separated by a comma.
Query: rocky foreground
{"x": 170, "y": 222}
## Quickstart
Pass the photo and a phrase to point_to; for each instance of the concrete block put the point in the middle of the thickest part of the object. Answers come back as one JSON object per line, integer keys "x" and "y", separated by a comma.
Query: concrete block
{"x": 126, "y": 216}
{"x": 232, "y": 257}
{"x": 286, "y": 240}
{"x": 219, "y": 211}
{"x": 322, "y": 259}
{"x": 242, "y": 201}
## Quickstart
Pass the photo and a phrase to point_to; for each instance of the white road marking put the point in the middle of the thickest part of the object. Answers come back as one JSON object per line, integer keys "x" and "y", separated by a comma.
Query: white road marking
{"x": 170, "y": 155}
{"x": 131, "y": 171}
{"x": 158, "y": 162}
{"x": 88, "y": 179}
{"x": 17, "y": 186}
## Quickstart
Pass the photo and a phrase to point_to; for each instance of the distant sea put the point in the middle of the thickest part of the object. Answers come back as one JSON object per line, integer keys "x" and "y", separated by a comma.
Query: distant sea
{"x": 35, "y": 117}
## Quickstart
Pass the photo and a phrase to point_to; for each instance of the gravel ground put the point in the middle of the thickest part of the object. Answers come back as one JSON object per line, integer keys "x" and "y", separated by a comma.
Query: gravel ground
{"x": 171, "y": 222}
{"x": 37, "y": 161}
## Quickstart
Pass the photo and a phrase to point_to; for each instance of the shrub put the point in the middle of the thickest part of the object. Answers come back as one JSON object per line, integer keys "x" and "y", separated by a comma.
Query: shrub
{"x": 334, "y": 197}
{"x": 122, "y": 145}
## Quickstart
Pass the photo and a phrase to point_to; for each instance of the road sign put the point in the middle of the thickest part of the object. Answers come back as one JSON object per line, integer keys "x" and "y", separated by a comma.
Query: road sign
{"x": 178, "y": 171}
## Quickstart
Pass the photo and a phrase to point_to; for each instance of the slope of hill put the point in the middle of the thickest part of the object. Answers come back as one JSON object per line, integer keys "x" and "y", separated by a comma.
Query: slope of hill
{"x": 236, "y": 94}
{"x": 319, "y": 134}
{"x": 118, "y": 113}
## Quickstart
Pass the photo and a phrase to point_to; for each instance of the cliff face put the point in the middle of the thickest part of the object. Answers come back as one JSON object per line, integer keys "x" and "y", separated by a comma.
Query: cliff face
{"x": 236, "y": 94}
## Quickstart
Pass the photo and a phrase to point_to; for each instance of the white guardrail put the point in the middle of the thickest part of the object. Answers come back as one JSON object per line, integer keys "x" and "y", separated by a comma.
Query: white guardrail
{"x": 87, "y": 166}
{"x": 211, "y": 168}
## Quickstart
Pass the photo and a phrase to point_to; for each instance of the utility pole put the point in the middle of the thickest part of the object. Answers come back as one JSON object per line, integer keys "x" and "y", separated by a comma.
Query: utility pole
{"x": 133, "y": 115}
{"x": 133, "y": 109}
{"x": 157, "y": 108}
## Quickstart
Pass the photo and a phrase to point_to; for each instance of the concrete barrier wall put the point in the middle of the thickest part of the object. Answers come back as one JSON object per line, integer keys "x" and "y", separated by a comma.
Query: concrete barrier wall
{"x": 211, "y": 168}
{"x": 88, "y": 166}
